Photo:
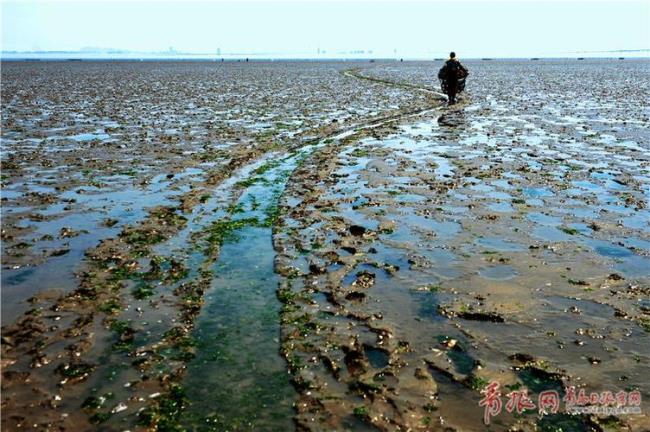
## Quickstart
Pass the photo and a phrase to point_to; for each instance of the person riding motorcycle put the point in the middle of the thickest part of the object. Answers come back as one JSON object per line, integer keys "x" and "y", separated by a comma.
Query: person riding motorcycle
{"x": 452, "y": 77}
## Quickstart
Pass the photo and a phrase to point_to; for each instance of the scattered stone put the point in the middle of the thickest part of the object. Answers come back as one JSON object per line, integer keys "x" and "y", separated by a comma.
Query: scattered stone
{"x": 365, "y": 279}
{"x": 481, "y": 316}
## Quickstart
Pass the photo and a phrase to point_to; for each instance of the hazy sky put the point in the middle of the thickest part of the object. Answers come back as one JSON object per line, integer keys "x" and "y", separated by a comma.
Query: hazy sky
{"x": 416, "y": 29}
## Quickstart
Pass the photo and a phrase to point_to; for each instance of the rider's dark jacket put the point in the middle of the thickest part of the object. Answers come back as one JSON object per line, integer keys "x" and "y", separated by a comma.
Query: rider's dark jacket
{"x": 452, "y": 71}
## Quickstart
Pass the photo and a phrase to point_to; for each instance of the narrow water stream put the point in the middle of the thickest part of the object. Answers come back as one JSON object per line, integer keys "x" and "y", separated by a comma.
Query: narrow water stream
{"x": 238, "y": 381}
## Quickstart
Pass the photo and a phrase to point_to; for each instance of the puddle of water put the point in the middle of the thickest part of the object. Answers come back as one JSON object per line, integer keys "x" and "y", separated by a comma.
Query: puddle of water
{"x": 483, "y": 188}
{"x": 537, "y": 380}
{"x": 83, "y": 137}
{"x": 609, "y": 250}
{"x": 10, "y": 194}
{"x": 20, "y": 284}
{"x": 463, "y": 362}
{"x": 634, "y": 266}
{"x": 550, "y": 233}
{"x": 499, "y": 195}
{"x": 427, "y": 305}
{"x": 444, "y": 230}
{"x": 498, "y": 244}
{"x": 636, "y": 243}
{"x": 444, "y": 167}
{"x": 459, "y": 405}
{"x": 500, "y": 272}
{"x": 502, "y": 184}
{"x": 640, "y": 220}
{"x": 544, "y": 219}
{"x": 590, "y": 308}
{"x": 537, "y": 192}
{"x": 535, "y": 202}
{"x": 377, "y": 358}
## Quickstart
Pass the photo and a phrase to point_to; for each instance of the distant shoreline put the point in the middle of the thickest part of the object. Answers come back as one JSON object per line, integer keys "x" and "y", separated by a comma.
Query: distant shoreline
{"x": 306, "y": 59}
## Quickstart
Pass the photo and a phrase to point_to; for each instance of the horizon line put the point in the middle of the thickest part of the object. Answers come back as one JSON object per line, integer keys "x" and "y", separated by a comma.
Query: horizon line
{"x": 320, "y": 53}
{"x": 323, "y": 59}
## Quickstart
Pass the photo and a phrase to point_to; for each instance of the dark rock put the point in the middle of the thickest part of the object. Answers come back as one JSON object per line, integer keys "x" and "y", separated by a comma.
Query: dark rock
{"x": 364, "y": 279}
{"x": 522, "y": 358}
{"x": 481, "y": 316}
{"x": 355, "y": 361}
{"x": 355, "y": 296}
{"x": 316, "y": 269}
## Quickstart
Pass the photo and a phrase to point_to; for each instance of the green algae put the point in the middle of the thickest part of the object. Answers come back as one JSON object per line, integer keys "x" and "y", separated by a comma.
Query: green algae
{"x": 143, "y": 291}
{"x": 222, "y": 231}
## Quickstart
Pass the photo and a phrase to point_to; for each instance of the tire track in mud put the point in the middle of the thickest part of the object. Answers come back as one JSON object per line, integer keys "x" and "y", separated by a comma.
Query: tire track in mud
{"x": 264, "y": 401}
{"x": 127, "y": 371}
{"x": 356, "y": 73}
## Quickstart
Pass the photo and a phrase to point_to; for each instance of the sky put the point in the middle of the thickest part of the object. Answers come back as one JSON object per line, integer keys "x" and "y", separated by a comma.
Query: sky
{"x": 420, "y": 29}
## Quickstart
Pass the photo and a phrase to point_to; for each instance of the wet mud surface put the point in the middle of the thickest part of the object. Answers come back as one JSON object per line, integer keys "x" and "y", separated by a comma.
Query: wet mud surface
{"x": 321, "y": 246}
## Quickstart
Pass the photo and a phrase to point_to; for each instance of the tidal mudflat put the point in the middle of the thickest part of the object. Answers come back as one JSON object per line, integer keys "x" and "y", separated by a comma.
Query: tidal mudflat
{"x": 322, "y": 246}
